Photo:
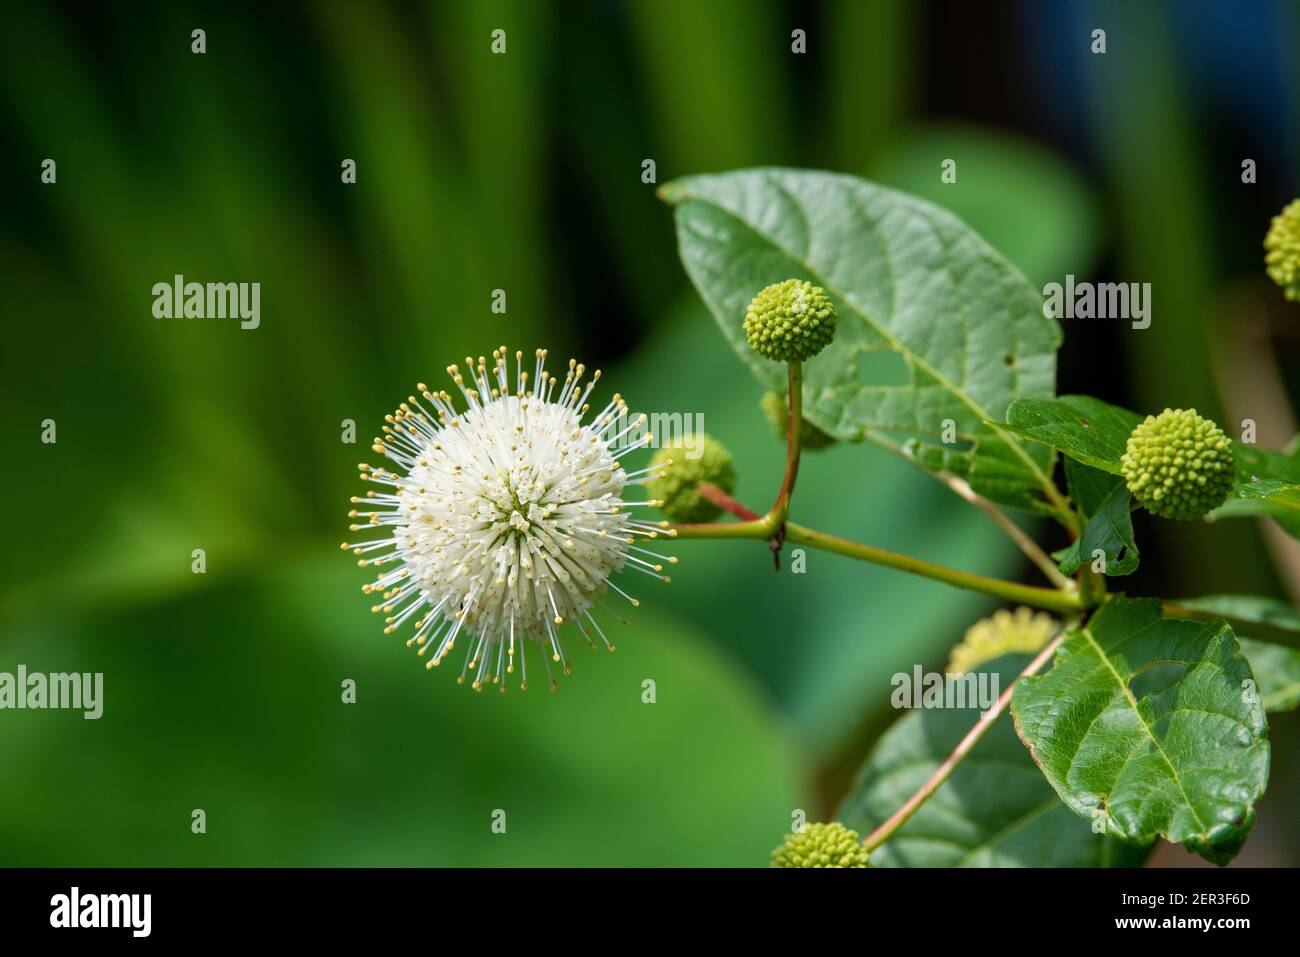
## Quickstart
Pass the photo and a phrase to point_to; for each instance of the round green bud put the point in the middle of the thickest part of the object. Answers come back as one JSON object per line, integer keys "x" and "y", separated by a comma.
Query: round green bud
{"x": 790, "y": 321}
{"x": 811, "y": 438}
{"x": 1178, "y": 464}
{"x": 680, "y": 472}
{"x": 821, "y": 845}
{"x": 1282, "y": 245}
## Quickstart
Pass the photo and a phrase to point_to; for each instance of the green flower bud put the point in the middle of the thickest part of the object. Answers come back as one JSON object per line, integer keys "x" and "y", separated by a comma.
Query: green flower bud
{"x": 676, "y": 484}
{"x": 1024, "y": 631}
{"x": 790, "y": 321}
{"x": 811, "y": 438}
{"x": 1178, "y": 464}
{"x": 1282, "y": 258}
{"x": 821, "y": 845}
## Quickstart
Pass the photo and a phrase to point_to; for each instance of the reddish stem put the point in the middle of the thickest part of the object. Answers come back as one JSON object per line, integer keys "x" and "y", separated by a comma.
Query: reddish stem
{"x": 725, "y": 502}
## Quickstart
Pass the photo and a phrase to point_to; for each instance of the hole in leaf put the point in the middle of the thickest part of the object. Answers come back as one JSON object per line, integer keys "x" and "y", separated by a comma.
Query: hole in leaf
{"x": 882, "y": 367}
{"x": 1156, "y": 678}
{"x": 1119, "y": 555}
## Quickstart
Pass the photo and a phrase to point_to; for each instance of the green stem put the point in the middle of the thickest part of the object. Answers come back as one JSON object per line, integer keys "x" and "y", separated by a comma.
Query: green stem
{"x": 763, "y": 528}
{"x": 794, "y": 430}
{"x": 964, "y": 747}
{"x": 776, "y": 529}
{"x": 1050, "y": 598}
{"x": 1092, "y": 587}
{"x": 759, "y": 528}
{"x": 1013, "y": 531}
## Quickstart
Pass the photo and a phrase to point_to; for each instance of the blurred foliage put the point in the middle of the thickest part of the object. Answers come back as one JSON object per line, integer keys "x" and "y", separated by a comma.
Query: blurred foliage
{"x": 475, "y": 172}
{"x": 1024, "y": 200}
{"x": 230, "y": 701}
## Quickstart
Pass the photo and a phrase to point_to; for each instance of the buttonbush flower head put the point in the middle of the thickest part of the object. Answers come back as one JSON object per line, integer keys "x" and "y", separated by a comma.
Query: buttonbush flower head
{"x": 1282, "y": 250}
{"x": 821, "y": 845}
{"x": 498, "y": 524}
{"x": 811, "y": 438}
{"x": 790, "y": 321}
{"x": 1178, "y": 464}
{"x": 675, "y": 479}
{"x": 1005, "y": 632}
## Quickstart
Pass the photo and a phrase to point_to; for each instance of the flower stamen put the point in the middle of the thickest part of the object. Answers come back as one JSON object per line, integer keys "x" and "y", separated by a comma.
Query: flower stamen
{"x": 505, "y": 519}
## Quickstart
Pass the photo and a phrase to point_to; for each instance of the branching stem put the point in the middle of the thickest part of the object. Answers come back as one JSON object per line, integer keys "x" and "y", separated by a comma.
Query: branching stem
{"x": 1013, "y": 531}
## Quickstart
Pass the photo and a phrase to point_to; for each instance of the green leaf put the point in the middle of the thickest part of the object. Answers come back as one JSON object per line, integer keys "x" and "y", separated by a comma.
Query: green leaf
{"x": 906, "y": 277}
{"x": 1110, "y": 531}
{"x": 1095, "y": 433}
{"x": 1276, "y": 667}
{"x": 994, "y": 811}
{"x": 1089, "y": 487}
{"x": 1104, "y": 500}
{"x": 1186, "y": 762}
{"x": 1268, "y": 483}
{"x": 998, "y": 472}
{"x": 1086, "y": 429}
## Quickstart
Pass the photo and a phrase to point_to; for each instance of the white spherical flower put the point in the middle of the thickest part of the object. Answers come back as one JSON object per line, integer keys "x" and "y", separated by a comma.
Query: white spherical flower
{"x": 506, "y": 520}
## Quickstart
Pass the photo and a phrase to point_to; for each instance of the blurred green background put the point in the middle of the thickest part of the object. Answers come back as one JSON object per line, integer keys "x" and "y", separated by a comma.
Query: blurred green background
{"x": 523, "y": 172}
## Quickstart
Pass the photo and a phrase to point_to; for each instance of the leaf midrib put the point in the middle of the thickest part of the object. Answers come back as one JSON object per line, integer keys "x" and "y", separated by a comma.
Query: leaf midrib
{"x": 1132, "y": 701}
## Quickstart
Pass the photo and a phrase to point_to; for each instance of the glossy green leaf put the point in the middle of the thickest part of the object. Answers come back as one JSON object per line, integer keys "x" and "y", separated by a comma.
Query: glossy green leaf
{"x": 907, "y": 277}
{"x": 1276, "y": 667}
{"x": 1086, "y": 429}
{"x": 1186, "y": 761}
{"x": 1095, "y": 433}
{"x": 1268, "y": 483}
{"x": 994, "y": 811}
{"x": 1104, "y": 501}
{"x": 1089, "y": 487}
